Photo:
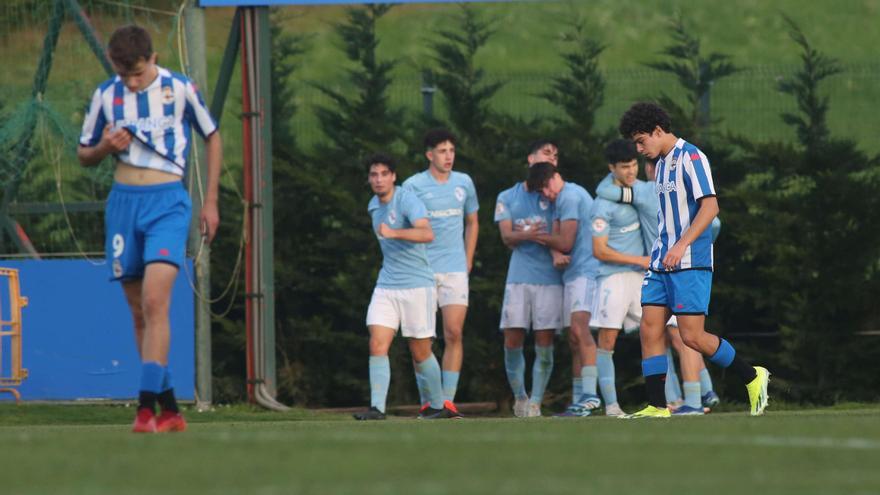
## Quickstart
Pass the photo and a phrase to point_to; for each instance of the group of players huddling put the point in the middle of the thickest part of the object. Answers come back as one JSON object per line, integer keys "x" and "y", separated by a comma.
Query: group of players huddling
{"x": 638, "y": 257}
{"x": 635, "y": 257}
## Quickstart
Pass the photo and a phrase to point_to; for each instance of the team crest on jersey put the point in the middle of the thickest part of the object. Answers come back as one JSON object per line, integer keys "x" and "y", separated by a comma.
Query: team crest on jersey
{"x": 599, "y": 224}
{"x": 459, "y": 193}
{"x": 392, "y": 217}
{"x": 117, "y": 268}
{"x": 543, "y": 204}
{"x": 167, "y": 95}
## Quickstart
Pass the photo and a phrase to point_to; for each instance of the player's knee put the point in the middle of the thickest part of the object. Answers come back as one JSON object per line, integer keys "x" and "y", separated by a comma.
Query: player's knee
{"x": 154, "y": 306}
{"x": 452, "y": 336}
{"x": 690, "y": 339}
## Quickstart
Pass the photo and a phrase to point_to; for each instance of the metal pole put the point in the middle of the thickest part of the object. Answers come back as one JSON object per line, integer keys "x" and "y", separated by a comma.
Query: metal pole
{"x": 194, "y": 26}
{"x": 428, "y": 90}
{"x": 227, "y": 66}
{"x": 267, "y": 241}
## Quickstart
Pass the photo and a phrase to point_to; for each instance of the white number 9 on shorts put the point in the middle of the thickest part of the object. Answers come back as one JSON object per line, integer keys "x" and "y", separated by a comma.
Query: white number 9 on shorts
{"x": 118, "y": 245}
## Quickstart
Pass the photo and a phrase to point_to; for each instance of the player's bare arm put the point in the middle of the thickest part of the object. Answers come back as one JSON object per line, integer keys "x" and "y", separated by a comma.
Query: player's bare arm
{"x": 562, "y": 239}
{"x": 707, "y": 210}
{"x": 420, "y": 232}
{"x": 603, "y": 252}
{"x": 210, "y": 216}
{"x": 471, "y": 232}
{"x": 512, "y": 236}
{"x": 112, "y": 141}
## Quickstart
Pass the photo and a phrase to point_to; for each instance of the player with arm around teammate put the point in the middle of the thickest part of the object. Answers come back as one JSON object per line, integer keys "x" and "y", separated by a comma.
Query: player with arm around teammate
{"x": 533, "y": 290}
{"x": 143, "y": 117}
{"x": 618, "y": 245}
{"x": 679, "y": 281}
{"x": 451, "y": 201}
{"x": 571, "y": 235}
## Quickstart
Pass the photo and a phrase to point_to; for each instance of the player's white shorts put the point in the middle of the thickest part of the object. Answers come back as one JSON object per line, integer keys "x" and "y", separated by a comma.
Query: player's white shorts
{"x": 452, "y": 288}
{"x": 673, "y": 322}
{"x": 579, "y": 295}
{"x": 414, "y": 311}
{"x": 530, "y": 306}
{"x": 619, "y": 301}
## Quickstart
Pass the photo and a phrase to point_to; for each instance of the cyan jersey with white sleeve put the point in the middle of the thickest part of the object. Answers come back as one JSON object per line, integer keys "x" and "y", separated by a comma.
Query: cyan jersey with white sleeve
{"x": 575, "y": 203}
{"x": 530, "y": 263}
{"x": 448, "y": 204}
{"x": 621, "y": 225}
{"x": 160, "y": 119}
{"x": 645, "y": 199}
{"x": 683, "y": 178}
{"x": 404, "y": 264}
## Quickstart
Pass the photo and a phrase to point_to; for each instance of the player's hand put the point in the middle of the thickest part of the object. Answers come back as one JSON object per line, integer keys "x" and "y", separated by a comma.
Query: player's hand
{"x": 385, "y": 231}
{"x": 673, "y": 256}
{"x": 115, "y": 140}
{"x": 645, "y": 262}
{"x": 560, "y": 261}
{"x": 209, "y": 220}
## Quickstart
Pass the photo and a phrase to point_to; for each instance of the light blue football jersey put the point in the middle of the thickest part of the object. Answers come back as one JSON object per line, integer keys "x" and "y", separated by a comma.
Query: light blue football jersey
{"x": 575, "y": 203}
{"x": 404, "y": 264}
{"x": 448, "y": 204}
{"x": 645, "y": 201}
{"x": 530, "y": 263}
{"x": 620, "y": 224}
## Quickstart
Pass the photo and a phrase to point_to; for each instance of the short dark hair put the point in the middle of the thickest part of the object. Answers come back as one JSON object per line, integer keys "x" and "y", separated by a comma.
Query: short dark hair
{"x": 621, "y": 151}
{"x": 644, "y": 117}
{"x": 383, "y": 158}
{"x": 435, "y": 137}
{"x": 536, "y": 145}
{"x": 128, "y": 45}
{"x": 539, "y": 174}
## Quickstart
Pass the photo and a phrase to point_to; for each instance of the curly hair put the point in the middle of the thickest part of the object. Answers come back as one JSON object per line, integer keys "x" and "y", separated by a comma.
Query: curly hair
{"x": 644, "y": 117}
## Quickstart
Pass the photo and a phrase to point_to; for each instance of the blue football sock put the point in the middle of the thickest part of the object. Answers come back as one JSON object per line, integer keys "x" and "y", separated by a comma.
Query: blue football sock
{"x": 433, "y": 382}
{"x": 152, "y": 374}
{"x": 167, "y": 383}
{"x": 380, "y": 378}
{"x": 515, "y": 365}
{"x": 724, "y": 355}
{"x": 576, "y": 388}
{"x": 541, "y": 372}
{"x": 692, "y": 395}
{"x": 605, "y": 366}
{"x": 589, "y": 375}
{"x": 673, "y": 387}
{"x": 705, "y": 382}
{"x": 450, "y": 384}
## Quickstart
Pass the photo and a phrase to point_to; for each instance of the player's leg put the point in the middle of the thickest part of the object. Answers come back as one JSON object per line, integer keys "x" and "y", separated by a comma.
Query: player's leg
{"x": 607, "y": 339}
{"x": 691, "y": 293}
{"x": 546, "y": 301}
{"x": 580, "y": 313}
{"x": 515, "y": 319}
{"x": 655, "y": 314}
{"x": 418, "y": 317}
{"x": 132, "y": 290}
{"x": 542, "y": 369}
{"x": 615, "y": 295}
{"x": 673, "y": 386}
{"x": 453, "y": 348}
{"x": 515, "y": 367}
{"x": 707, "y": 389}
{"x": 577, "y": 382}
{"x": 429, "y": 368}
{"x": 383, "y": 319}
{"x": 690, "y": 361}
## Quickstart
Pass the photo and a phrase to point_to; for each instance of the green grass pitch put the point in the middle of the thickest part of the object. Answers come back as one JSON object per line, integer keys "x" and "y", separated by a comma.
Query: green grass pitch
{"x": 88, "y": 450}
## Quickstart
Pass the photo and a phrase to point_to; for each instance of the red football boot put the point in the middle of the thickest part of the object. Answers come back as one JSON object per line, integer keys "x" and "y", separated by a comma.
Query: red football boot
{"x": 144, "y": 422}
{"x": 170, "y": 422}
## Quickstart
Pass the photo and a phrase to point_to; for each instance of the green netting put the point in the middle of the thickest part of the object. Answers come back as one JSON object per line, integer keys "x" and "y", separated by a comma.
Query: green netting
{"x": 51, "y": 71}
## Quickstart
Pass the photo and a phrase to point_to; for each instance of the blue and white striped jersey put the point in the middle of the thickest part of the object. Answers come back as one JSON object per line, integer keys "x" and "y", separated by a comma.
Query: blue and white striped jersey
{"x": 683, "y": 177}
{"x": 160, "y": 119}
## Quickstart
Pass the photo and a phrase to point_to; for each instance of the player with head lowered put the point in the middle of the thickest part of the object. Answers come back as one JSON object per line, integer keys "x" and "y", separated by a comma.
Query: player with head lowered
{"x": 679, "y": 280}
{"x": 143, "y": 117}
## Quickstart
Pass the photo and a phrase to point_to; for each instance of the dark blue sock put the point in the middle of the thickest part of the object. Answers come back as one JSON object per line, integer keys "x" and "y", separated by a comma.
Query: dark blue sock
{"x": 152, "y": 374}
{"x": 654, "y": 370}
{"x": 166, "y": 398}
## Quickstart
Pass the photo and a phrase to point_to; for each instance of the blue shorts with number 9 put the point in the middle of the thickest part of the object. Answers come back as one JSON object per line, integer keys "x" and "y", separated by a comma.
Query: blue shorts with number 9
{"x": 684, "y": 293}
{"x": 145, "y": 224}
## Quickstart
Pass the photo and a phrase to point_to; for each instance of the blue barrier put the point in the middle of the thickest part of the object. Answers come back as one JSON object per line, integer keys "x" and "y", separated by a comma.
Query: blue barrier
{"x": 77, "y": 333}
